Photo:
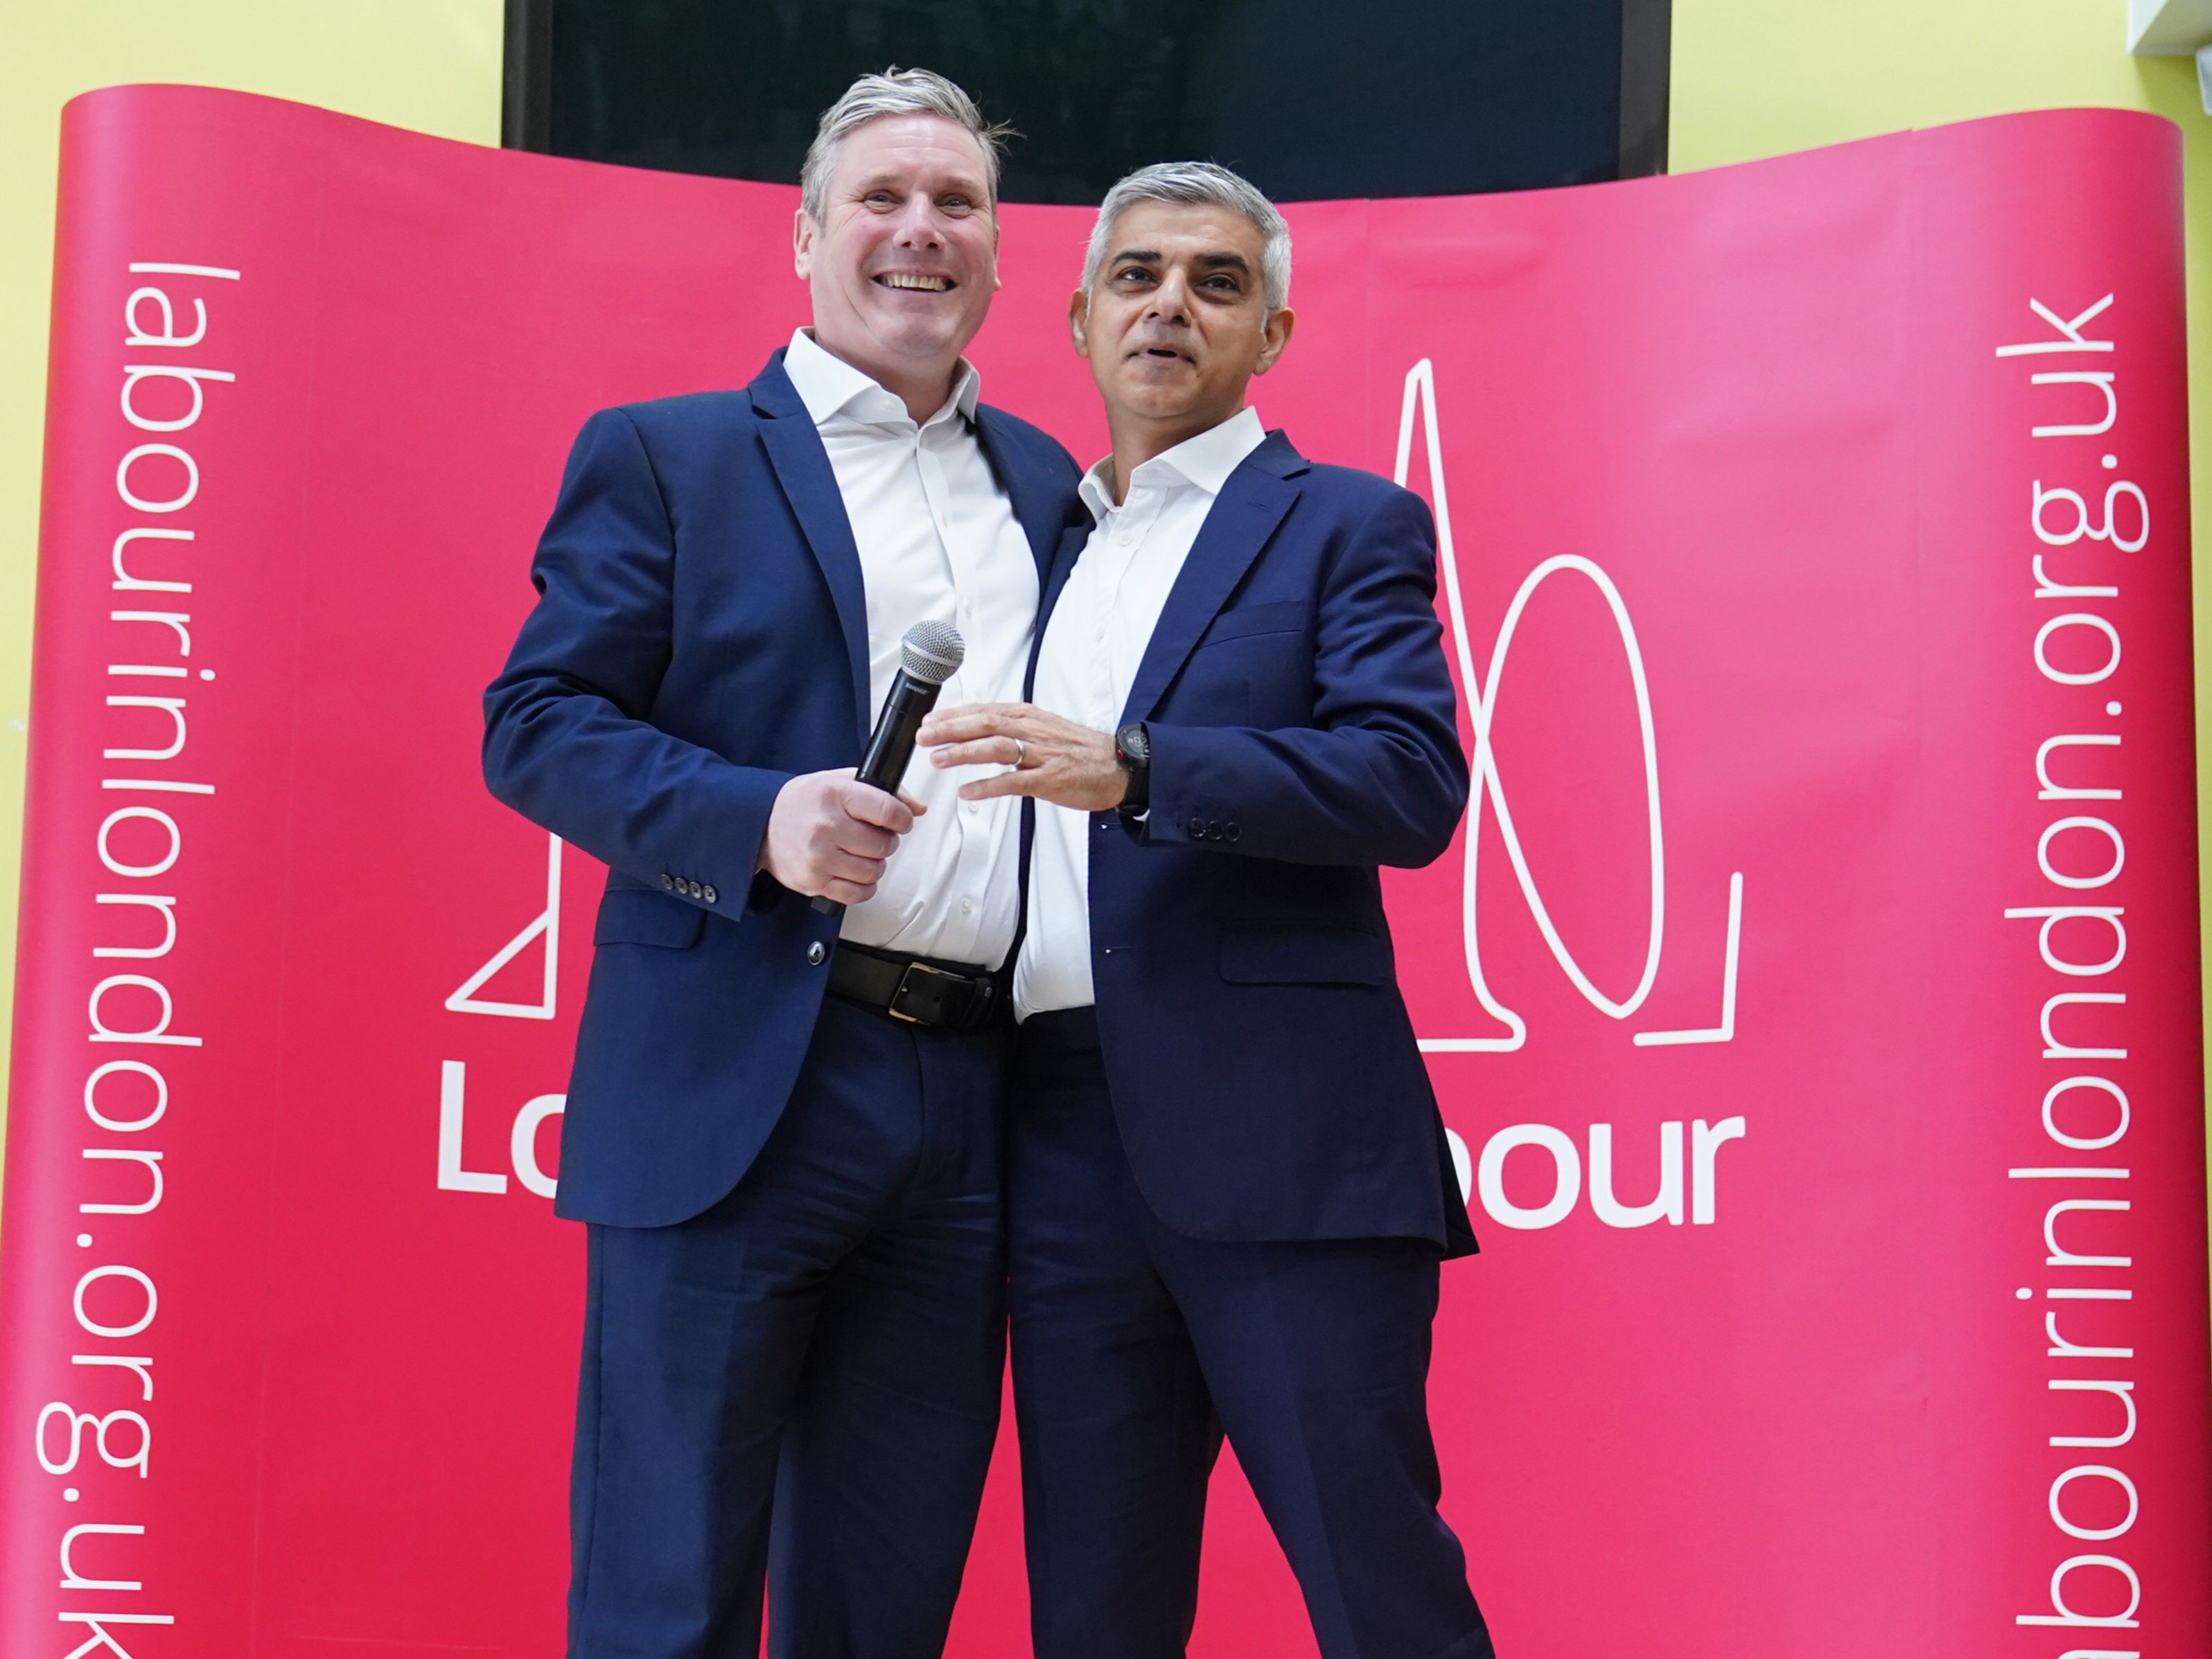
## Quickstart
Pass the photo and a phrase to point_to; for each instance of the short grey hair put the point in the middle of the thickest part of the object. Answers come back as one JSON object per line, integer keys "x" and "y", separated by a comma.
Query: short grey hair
{"x": 894, "y": 92}
{"x": 1198, "y": 184}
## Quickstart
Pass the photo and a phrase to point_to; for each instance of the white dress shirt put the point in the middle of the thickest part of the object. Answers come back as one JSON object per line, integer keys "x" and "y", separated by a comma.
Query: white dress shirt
{"x": 938, "y": 541}
{"x": 1100, "y": 628}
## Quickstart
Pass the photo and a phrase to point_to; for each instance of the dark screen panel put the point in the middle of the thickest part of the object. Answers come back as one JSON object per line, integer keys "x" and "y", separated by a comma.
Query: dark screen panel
{"x": 1310, "y": 98}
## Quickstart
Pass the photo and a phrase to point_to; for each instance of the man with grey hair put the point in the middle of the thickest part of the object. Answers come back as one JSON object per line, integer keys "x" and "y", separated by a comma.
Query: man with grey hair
{"x": 1228, "y": 1188}
{"x": 782, "y": 1123}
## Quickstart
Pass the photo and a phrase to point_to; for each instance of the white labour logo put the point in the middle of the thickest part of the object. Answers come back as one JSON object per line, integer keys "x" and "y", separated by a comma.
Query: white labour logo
{"x": 547, "y": 923}
{"x": 1489, "y": 788}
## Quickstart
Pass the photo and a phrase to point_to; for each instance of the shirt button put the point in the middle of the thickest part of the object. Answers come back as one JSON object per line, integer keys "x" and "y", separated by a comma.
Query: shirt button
{"x": 967, "y": 906}
{"x": 817, "y": 953}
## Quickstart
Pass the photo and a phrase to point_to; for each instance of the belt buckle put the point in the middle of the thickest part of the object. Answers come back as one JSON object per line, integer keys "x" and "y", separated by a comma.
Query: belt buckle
{"x": 906, "y": 984}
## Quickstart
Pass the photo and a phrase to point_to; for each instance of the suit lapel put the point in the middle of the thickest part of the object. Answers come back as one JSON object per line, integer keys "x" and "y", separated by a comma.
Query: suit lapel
{"x": 1243, "y": 516}
{"x": 802, "y": 467}
{"x": 1037, "y": 506}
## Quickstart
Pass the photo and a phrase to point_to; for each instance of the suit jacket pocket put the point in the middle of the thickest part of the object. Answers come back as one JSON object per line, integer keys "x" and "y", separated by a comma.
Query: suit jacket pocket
{"x": 1277, "y": 617}
{"x": 631, "y": 916}
{"x": 1302, "y": 953}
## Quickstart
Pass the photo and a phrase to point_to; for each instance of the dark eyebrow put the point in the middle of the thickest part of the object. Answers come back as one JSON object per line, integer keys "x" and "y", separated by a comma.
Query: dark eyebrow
{"x": 1226, "y": 262}
{"x": 892, "y": 180}
{"x": 1140, "y": 255}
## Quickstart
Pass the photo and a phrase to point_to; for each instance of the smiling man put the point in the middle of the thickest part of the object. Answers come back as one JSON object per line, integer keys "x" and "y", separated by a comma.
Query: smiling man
{"x": 782, "y": 1125}
{"x": 1228, "y": 1188}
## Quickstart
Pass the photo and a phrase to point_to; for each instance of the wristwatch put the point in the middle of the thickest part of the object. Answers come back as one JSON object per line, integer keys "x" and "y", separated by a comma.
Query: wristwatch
{"x": 1133, "y": 753}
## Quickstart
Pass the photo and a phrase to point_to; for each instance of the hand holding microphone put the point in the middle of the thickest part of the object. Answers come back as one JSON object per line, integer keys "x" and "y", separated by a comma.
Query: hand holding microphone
{"x": 829, "y": 836}
{"x": 829, "y": 832}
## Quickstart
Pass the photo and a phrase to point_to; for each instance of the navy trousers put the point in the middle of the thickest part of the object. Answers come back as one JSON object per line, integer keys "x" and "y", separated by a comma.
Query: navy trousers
{"x": 802, "y": 1384}
{"x": 1135, "y": 1347}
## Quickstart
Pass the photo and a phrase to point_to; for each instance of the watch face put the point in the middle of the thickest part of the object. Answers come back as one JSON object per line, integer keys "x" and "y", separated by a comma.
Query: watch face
{"x": 1133, "y": 742}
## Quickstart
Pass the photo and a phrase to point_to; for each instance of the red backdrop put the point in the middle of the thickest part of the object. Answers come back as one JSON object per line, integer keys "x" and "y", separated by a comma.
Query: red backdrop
{"x": 1864, "y": 1312}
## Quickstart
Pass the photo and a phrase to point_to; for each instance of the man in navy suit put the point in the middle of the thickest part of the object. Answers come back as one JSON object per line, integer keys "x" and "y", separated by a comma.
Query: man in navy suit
{"x": 782, "y": 1126}
{"x": 1228, "y": 1188}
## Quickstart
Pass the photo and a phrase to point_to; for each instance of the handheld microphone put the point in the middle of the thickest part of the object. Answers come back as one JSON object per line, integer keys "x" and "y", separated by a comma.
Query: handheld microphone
{"x": 929, "y": 655}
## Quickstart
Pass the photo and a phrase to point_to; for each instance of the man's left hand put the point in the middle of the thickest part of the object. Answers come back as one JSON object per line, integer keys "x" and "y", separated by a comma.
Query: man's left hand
{"x": 1053, "y": 759}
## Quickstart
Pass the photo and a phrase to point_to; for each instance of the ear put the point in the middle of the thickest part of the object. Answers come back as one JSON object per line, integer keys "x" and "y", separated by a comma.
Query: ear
{"x": 1276, "y": 331}
{"x": 1078, "y": 323}
{"x": 803, "y": 233}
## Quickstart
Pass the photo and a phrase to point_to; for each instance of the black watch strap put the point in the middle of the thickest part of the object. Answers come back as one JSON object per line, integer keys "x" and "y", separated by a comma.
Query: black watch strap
{"x": 1133, "y": 750}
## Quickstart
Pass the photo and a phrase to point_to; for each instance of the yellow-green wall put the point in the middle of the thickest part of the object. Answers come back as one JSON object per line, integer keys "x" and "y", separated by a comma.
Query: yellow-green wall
{"x": 430, "y": 64}
{"x": 1759, "y": 77}
{"x": 1754, "y": 77}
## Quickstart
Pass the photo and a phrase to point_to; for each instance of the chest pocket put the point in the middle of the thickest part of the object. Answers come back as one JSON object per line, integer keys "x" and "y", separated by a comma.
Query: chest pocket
{"x": 629, "y": 916}
{"x": 1276, "y": 616}
{"x": 1259, "y": 658}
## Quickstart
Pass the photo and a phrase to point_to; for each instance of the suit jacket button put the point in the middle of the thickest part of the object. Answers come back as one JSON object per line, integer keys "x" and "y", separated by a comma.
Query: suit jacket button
{"x": 817, "y": 953}
{"x": 667, "y": 881}
{"x": 695, "y": 890}
{"x": 1198, "y": 828}
{"x": 1229, "y": 831}
{"x": 711, "y": 895}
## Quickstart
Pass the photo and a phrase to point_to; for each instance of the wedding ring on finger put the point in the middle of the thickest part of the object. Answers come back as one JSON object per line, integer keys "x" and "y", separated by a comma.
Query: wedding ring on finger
{"x": 1021, "y": 754}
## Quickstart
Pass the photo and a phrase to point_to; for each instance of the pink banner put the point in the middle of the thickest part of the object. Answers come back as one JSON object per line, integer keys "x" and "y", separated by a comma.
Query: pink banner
{"x": 1814, "y": 993}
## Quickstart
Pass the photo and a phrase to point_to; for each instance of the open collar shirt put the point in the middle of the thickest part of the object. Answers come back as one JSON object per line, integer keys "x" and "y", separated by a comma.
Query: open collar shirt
{"x": 1094, "y": 642}
{"x": 937, "y": 540}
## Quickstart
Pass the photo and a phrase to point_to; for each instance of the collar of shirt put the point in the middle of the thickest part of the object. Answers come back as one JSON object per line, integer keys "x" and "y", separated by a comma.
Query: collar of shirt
{"x": 1205, "y": 461}
{"x": 829, "y": 387}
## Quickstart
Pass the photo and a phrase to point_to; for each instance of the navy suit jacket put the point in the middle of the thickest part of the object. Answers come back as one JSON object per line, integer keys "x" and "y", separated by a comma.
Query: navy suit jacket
{"x": 1303, "y": 731}
{"x": 700, "y": 637}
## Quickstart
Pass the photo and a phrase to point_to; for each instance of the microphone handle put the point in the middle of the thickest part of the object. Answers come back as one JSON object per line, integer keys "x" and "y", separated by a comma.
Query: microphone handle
{"x": 890, "y": 746}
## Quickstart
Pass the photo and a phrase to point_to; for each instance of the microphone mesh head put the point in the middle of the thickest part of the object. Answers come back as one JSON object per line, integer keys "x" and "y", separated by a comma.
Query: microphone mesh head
{"x": 932, "y": 652}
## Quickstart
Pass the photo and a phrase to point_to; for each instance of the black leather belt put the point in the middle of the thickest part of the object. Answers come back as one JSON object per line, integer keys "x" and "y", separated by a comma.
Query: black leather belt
{"x": 947, "y": 996}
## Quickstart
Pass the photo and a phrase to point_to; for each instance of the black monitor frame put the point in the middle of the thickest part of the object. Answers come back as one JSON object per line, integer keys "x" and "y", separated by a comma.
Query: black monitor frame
{"x": 1646, "y": 30}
